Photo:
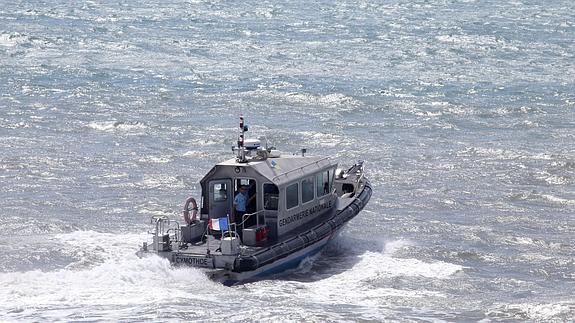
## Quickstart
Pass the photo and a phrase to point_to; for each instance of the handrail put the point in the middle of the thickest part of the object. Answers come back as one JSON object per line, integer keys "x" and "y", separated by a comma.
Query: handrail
{"x": 361, "y": 176}
{"x": 357, "y": 183}
{"x": 356, "y": 170}
{"x": 163, "y": 225}
{"x": 299, "y": 168}
{"x": 159, "y": 221}
{"x": 245, "y": 217}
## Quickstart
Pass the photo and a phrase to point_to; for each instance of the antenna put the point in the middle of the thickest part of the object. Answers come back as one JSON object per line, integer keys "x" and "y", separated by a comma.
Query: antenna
{"x": 241, "y": 148}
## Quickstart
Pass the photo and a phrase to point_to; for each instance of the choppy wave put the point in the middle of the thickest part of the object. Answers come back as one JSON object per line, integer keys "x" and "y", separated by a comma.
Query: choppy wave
{"x": 550, "y": 199}
{"x": 111, "y": 126}
{"x": 533, "y": 311}
{"x": 15, "y": 39}
{"x": 106, "y": 273}
{"x": 359, "y": 284}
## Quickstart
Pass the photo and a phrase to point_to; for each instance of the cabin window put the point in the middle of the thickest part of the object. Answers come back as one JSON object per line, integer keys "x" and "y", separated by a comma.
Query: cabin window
{"x": 220, "y": 192}
{"x": 292, "y": 196}
{"x": 307, "y": 189}
{"x": 319, "y": 186}
{"x": 271, "y": 197}
{"x": 331, "y": 175}
{"x": 322, "y": 183}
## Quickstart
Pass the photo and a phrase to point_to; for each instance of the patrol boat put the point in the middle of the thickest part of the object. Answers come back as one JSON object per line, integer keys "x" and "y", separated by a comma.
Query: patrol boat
{"x": 294, "y": 205}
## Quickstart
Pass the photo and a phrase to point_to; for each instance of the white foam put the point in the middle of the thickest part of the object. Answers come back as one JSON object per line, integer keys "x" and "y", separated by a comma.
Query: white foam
{"x": 120, "y": 278}
{"x": 102, "y": 126}
{"x": 195, "y": 154}
{"x": 110, "y": 175}
{"x": 11, "y": 40}
{"x": 356, "y": 285}
{"x": 156, "y": 159}
{"x": 163, "y": 181}
{"x": 385, "y": 266}
{"x": 429, "y": 113}
{"x": 497, "y": 153}
{"x": 131, "y": 281}
{"x": 391, "y": 247}
{"x": 545, "y": 198}
{"x": 324, "y": 139}
{"x": 477, "y": 42}
{"x": 557, "y": 200}
{"x": 520, "y": 241}
{"x": 155, "y": 212}
{"x": 111, "y": 126}
{"x": 552, "y": 179}
{"x": 332, "y": 101}
{"x": 533, "y": 311}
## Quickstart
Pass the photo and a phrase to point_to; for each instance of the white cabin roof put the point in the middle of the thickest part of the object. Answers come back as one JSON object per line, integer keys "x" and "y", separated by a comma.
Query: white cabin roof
{"x": 283, "y": 170}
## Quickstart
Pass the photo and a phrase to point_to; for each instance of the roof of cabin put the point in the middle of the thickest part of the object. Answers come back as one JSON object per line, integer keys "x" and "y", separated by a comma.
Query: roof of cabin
{"x": 282, "y": 170}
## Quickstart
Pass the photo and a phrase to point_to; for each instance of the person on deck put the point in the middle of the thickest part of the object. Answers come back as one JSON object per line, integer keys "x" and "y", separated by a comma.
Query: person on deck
{"x": 240, "y": 202}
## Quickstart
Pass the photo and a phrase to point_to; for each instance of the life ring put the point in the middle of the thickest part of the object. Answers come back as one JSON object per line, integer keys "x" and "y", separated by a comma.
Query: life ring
{"x": 189, "y": 220}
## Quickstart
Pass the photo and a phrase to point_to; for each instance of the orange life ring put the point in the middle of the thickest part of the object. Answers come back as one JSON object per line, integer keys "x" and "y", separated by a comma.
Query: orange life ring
{"x": 189, "y": 220}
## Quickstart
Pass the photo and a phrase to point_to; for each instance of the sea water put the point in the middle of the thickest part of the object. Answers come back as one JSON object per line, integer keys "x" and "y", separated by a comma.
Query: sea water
{"x": 112, "y": 111}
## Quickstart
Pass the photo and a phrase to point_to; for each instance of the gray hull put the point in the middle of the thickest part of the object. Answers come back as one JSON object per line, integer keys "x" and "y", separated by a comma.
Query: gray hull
{"x": 303, "y": 241}
{"x": 278, "y": 257}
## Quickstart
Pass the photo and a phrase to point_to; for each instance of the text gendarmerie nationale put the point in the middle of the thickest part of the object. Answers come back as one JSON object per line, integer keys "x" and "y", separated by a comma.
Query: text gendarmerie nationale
{"x": 304, "y": 214}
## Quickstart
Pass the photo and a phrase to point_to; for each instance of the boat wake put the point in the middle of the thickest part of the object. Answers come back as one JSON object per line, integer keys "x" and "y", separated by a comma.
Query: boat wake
{"x": 106, "y": 280}
{"x": 364, "y": 274}
{"x": 105, "y": 274}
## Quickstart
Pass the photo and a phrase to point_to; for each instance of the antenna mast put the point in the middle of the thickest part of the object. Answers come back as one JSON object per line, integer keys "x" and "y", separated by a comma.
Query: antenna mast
{"x": 241, "y": 148}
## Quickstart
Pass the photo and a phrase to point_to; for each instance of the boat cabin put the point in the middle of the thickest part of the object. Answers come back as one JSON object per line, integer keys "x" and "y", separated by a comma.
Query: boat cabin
{"x": 282, "y": 194}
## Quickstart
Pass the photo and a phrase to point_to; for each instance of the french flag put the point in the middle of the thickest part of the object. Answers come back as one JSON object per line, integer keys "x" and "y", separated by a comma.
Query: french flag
{"x": 220, "y": 224}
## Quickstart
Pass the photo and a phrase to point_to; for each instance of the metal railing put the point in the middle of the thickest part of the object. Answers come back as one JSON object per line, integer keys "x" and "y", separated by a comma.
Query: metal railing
{"x": 163, "y": 225}
{"x": 358, "y": 171}
{"x": 361, "y": 175}
{"x": 245, "y": 217}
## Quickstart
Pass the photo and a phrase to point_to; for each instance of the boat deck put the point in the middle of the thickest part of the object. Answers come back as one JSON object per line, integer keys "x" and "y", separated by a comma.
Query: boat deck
{"x": 213, "y": 244}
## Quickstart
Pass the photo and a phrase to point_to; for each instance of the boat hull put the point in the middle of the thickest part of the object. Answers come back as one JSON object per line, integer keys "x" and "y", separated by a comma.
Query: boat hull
{"x": 292, "y": 261}
{"x": 279, "y": 257}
